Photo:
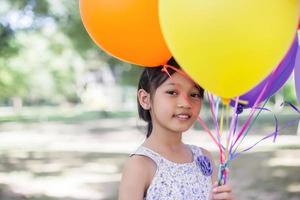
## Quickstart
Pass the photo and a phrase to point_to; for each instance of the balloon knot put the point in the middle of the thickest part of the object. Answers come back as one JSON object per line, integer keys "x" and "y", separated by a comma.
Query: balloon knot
{"x": 239, "y": 109}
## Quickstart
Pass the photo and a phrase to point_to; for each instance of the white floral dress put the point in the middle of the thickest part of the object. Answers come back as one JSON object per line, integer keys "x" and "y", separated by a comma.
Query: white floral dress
{"x": 177, "y": 181}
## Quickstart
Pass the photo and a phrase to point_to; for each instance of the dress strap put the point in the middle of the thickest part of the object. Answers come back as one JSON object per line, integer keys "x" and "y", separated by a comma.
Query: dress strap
{"x": 144, "y": 151}
{"x": 196, "y": 151}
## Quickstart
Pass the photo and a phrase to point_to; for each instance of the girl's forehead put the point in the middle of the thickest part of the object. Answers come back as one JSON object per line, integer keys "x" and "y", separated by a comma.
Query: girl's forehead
{"x": 179, "y": 79}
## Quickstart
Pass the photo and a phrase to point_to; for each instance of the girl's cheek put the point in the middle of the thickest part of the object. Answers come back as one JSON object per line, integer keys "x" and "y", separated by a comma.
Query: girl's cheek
{"x": 197, "y": 106}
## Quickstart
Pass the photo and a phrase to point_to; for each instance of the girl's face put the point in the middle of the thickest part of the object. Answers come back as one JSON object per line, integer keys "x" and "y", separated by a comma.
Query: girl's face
{"x": 176, "y": 104}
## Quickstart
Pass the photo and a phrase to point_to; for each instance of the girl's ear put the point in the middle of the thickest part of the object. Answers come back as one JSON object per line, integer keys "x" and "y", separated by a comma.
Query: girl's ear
{"x": 144, "y": 99}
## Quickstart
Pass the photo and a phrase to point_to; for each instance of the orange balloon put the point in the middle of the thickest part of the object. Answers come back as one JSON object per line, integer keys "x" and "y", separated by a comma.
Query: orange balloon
{"x": 126, "y": 29}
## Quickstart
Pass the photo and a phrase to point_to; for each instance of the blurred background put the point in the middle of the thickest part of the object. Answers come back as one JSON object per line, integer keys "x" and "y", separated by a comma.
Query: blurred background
{"x": 68, "y": 118}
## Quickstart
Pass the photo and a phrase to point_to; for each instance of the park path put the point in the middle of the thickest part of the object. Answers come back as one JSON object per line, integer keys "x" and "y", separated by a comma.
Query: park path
{"x": 56, "y": 160}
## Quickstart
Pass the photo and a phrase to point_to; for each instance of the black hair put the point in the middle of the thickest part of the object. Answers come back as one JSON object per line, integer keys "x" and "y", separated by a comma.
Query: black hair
{"x": 151, "y": 78}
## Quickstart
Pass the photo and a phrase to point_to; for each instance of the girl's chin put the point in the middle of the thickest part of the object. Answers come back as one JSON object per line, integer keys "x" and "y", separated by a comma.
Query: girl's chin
{"x": 180, "y": 128}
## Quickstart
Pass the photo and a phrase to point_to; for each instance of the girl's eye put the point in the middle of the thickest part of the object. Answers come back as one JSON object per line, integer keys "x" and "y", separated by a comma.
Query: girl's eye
{"x": 172, "y": 92}
{"x": 196, "y": 95}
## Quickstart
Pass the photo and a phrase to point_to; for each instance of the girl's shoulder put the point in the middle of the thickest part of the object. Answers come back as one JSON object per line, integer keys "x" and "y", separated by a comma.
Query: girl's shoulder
{"x": 200, "y": 150}
{"x": 137, "y": 174}
{"x": 138, "y": 164}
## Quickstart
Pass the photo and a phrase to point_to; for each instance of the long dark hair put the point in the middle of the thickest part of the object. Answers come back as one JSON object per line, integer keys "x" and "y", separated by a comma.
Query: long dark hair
{"x": 151, "y": 78}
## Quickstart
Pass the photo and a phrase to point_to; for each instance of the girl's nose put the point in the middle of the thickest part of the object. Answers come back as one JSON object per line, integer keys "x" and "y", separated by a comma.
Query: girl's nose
{"x": 183, "y": 101}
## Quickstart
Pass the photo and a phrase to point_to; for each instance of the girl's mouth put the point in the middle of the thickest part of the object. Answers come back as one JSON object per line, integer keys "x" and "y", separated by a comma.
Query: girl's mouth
{"x": 182, "y": 117}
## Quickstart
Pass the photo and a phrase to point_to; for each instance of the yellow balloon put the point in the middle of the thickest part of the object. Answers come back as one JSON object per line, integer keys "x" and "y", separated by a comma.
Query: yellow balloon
{"x": 228, "y": 46}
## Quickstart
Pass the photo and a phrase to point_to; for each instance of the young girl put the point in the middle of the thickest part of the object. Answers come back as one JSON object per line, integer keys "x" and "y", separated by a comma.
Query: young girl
{"x": 163, "y": 167}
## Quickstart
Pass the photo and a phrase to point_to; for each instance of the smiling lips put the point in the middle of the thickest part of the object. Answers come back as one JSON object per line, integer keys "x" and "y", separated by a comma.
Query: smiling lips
{"x": 183, "y": 116}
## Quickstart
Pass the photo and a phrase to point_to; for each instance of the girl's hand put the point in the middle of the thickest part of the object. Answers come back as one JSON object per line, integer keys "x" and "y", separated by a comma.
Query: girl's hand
{"x": 223, "y": 192}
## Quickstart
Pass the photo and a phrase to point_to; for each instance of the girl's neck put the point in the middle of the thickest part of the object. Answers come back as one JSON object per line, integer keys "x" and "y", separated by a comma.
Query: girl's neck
{"x": 164, "y": 139}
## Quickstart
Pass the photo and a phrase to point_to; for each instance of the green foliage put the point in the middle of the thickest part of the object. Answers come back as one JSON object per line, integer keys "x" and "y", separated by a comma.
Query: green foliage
{"x": 7, "y": 43}
{"x": 44, "y": 50}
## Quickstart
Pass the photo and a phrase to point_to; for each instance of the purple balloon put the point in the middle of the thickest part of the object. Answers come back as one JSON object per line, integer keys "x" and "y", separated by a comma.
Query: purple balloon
{"x": 297, "y": 75}
{"x": 285, "y": 68}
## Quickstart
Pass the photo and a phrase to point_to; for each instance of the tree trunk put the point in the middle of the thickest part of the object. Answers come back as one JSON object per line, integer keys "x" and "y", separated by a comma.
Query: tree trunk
{"x": 17, "y": 104}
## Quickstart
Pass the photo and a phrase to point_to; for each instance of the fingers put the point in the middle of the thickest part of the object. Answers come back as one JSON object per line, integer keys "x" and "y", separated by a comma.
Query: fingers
{"x": 227, "y": 170}
{"x": 223, "y": 192}
{"x": 222, "y": 196}
{"x": 222, "y": 188}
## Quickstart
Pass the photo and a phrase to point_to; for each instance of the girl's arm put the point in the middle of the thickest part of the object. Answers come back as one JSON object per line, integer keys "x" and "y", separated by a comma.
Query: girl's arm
{"x": 136, "y": 177}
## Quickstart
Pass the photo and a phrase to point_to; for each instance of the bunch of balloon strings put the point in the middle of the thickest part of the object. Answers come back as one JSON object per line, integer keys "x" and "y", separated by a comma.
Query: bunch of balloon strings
{"x": 235, "y": 135}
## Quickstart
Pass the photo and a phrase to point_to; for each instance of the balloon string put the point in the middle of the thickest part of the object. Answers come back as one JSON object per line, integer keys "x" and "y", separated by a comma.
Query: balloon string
{"x": 211, "y": 135}
{"x": 222, "y": 173}
{"x": 221, "y": 130}
{"x": 234, "y": 156}
{"x": 165, "y": 69}
{"x": 221, "y": 121}
{"x": 235, "y": 124}
{"x": 249, "y": 127}
{"x": 214, "y": 114}
{"x": 215, "y": 119}
{"x": 246, "y": 124}
{"x": 217, "y": 106}
{"x": 273, "y": 134}
{"x": 292, "y": 105}
{"x": 227, "y": 130}
{"x": 227, "y": 116}
{"x": 232, "y": 128}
